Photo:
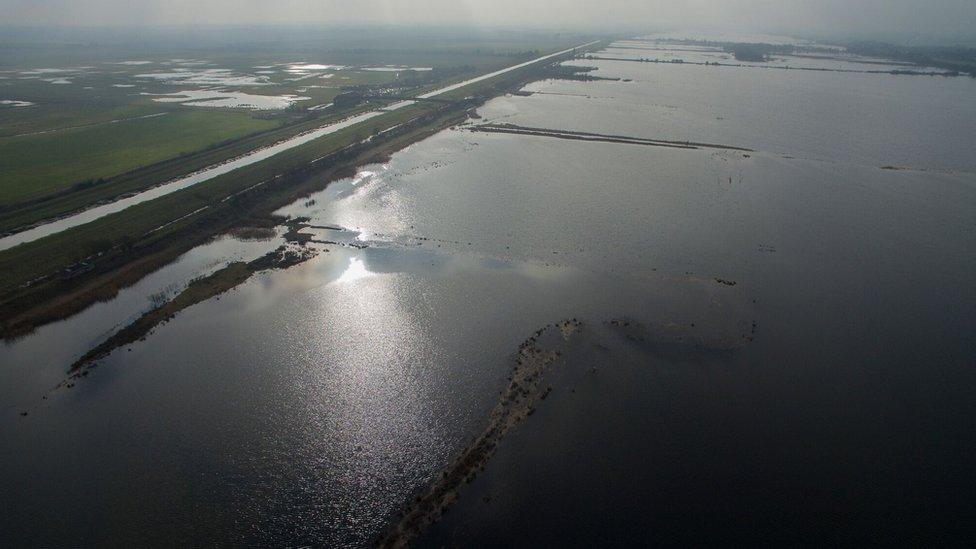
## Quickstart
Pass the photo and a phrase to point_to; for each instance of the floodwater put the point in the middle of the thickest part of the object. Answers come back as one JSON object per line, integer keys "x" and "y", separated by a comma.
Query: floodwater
{"x": 305, "y": 68}
{"x": 230, "y": 99}
{"x": 397, "y": 68}
{"x": 308, "y": 406}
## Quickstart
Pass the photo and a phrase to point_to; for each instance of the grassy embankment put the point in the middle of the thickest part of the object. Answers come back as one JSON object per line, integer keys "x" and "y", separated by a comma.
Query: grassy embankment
{"x": 123, "y": 247}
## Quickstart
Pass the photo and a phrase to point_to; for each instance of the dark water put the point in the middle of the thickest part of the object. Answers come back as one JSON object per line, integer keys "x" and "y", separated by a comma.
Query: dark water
{"x": 307, "y": 406}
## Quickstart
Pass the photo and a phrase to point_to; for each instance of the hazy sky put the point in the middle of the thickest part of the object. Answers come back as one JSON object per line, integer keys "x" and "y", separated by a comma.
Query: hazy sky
{"x": 812, "y": 16}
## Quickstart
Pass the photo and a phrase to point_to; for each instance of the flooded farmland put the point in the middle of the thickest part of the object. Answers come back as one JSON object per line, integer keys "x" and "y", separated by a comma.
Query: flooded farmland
{"x": 782, "y": 323}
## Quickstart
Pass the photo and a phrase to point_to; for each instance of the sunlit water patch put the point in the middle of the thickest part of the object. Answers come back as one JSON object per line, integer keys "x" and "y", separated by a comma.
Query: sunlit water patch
{"x": 230, "y": 99}
{"x": 300, "y": 68}
{"x": 396, "y": 68}
{"x": 206, "y": 77}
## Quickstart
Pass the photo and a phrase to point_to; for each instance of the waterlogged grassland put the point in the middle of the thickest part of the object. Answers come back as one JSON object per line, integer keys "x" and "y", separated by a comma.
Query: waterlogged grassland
{"x": 36, "y": 165}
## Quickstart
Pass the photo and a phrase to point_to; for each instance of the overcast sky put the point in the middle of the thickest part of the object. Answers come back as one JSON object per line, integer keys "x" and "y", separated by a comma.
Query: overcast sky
{"x": 810, "y": 16}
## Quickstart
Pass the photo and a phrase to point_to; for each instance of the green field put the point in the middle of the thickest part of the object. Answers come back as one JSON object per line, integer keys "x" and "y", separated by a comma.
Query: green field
{"x": 42, "y": 164}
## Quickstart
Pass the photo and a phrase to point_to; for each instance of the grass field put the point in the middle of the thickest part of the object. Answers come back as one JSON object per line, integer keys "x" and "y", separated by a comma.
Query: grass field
{"x": 42, "y": 164}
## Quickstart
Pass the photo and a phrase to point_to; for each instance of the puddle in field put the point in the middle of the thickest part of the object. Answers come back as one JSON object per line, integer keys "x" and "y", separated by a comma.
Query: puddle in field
{"x": 230, "y": 99}
{"x": 206, "y": 77}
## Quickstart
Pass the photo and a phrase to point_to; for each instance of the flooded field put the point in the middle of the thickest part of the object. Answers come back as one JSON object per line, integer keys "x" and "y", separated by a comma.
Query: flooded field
{"x": 234, "y": 100}
{"x": 779, "y": 322}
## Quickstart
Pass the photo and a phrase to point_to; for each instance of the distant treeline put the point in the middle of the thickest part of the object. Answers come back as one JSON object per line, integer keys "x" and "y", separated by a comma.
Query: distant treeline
{"x": 754, "y": 52}
{"x": 959, "y": 60}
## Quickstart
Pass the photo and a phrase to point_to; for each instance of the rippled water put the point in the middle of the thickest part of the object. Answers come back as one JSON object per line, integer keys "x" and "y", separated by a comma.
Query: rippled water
{"x": 308, "y": 405}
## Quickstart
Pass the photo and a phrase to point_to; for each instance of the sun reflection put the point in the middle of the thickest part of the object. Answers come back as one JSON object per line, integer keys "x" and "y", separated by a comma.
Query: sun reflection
{"x": 356, "y": 270}
{"x": 367, "y": 420}
{"x": 364, "y": 175}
